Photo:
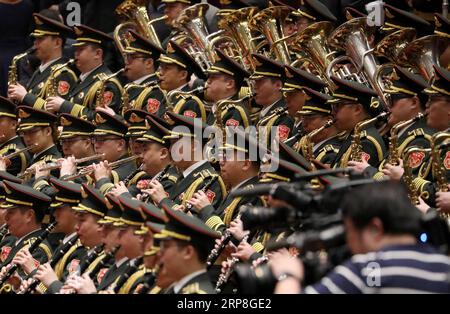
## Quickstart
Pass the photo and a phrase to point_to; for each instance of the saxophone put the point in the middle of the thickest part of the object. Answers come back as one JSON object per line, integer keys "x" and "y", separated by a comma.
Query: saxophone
{"x": 408, "y": 175}
{"x": 13, "y": 77}
{"x": 306, "y": 145}
{"x": 439, "y": 172}
{"x": 175, "y": 93}
{"x": 52, "y": 89}
{"x": 99, "y": 100}
{"x": 356, "y": 147}
{"x": 394, "y": 154}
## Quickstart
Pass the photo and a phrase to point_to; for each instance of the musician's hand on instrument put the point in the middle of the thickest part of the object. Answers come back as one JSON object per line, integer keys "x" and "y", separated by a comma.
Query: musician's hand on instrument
{"x": 244, "y": 251}
{"x": 422, "y": 206}
{"x": 101, "y": 170}
{"x": 237, "y": 229}
{"x": 25, "y": 284}
{"x": 443, "y": 201}
{"x": 156, "y": 191}
{"x": 106, "y": 292}
{"x": 5, "y": 270}
{"x": 41, "y": 173}
{"x": 285, "y": 264}
{"x": 16, "y": 92}
{"x": 68, "y": 166}
{"x": 25, "y": 260}
{"x": 394, "y": 173}
{"x": 4, "y": 163}
{"x": 118, "y": 189}
{"x": 46, "y": 274}
{"x": 53, "y": 104}
{"x": 83, "y": 284}
{"x": 358, "y": 166}
{"x": 199, "y": 200}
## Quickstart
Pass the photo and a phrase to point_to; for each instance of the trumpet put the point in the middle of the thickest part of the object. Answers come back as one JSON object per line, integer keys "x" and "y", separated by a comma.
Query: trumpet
{"x": 57, "y": 165}
{"x": 89, "y": 169}
{"x": 20, "y": 151}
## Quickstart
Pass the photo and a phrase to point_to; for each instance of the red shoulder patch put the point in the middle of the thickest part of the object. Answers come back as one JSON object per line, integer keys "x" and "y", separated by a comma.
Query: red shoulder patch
{"x": 232, "y": 122}
{"x": 73, "y": 266}
{"x": 189, "y": 113}
{"x": 283, "y": 132}
{"x": 63, "y": 87}
{"x": 415, "y": 159}
{"x": 153, "y": 105}
{"x": 36, "y": 263}
{"x": 365, "y": 156}
{"x": 107, "y": 98}
{"x": 447, "y": 161}
{"x": 5, "y": 253}
{"x": 211, "y": 195}
{"x": 101, "y": 274}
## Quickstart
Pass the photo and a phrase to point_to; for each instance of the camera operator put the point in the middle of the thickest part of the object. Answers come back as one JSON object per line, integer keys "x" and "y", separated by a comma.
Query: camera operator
{"x": 381, "y": 228}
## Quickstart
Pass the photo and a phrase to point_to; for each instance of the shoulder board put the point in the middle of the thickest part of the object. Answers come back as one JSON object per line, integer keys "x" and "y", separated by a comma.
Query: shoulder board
{"x": 30, "y": 241}
{"x": 329, "y": 148}
{"x": 192, "y": 289}
{"x": 48, "y": 158}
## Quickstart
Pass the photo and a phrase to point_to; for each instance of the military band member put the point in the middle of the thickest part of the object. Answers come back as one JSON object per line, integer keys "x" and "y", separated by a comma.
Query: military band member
{"x": 225, "y": 79}
{"x": 109, "y": 139}
{"x": 67, "y": 195}
{"x": 6, "y": 235}
{"x": 315, "y": 113}
{"x": 51, "y": 78}
{"x": 296, "y": 81}
{"x": 185, "y": 244}
{"x": 176, "y": 69}
{"x": 268, "y": 80}
{"x": 407, "y": 100}
{"x": 25, "y": 211}
{"x": 352, "y": 103}
{"x": 141, "y": 62}
{"x": 10, "y": 142}
{"x": 92, "y": 90}
{"x": 188, "y": 139}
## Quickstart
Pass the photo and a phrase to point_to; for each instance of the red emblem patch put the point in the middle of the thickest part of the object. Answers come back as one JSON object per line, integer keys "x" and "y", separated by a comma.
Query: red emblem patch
{"x": 153, "y": 105}
{"x": 211, "y": 195}
{"x": 447, "y": 161}
{"x": 189, "y": 113}
{"x": 107, "y": 98}
{"x": 101, "y": 274}
{"x": 5, "y": 252}
{"x": 73, "y": 266}
{"x": 232, "y": 122}
{"x": 143, "y": 184}
{"x": 63, "y": 88}
{"x": 36, "y": 263}
{"x": 283, "y": 132}
{"x": 415, "y": 159}
{"x": 365, "y": 156}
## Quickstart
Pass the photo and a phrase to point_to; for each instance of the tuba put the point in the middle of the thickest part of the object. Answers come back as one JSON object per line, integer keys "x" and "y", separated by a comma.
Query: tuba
{"x": 353, "y": 38}
{"x": 136, "y": 13}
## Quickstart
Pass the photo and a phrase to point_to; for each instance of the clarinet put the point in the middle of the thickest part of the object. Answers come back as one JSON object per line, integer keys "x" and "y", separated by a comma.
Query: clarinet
{"x": 223, "y": 278}
{"x": 158, "y": 178}
{"x": 55, "y": 259}
{"x": 150, "y": 282}
{"x": 31, "y": 249}
{"x": 127, "y": 180}
{"x": 3, "y": 231}
{"x": 132, "y": 268}
{"x": 189, "y": 207}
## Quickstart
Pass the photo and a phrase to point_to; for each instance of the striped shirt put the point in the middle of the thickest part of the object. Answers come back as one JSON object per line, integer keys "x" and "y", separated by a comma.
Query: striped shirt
{"x": 416, "y": 268}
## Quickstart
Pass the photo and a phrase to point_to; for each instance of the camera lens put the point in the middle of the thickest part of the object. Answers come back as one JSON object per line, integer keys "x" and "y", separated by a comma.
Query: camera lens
{"x": 259, "y": 280}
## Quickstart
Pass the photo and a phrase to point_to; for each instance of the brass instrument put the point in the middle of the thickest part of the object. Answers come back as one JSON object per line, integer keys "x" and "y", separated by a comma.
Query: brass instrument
{"x": 394, "y": 154}
{"x": 439, "y": 171}
{"x": 52, "y": 89}
{"x": 19, "y": 151}
{"x": 391, "y": 45}
{"x": 89, "y": 169}
{"x": 175, "y": 93}
{"x": 57, "y": 165}
{"x": 99, "y": 94}
{"x": 269, "y": 22}
{"x": 306, "y": 144}
{"x": 12, "y": 71}
{"x": 356, "y": 147}
{"x": 136, "y": 12}
{"x": 125, "y": 97}
{"x": 352, "y": 37}
{"x": 408, "y": 175}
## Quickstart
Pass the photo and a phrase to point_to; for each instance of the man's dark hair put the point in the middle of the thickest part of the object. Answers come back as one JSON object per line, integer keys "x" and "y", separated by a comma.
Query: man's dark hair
{"x": 387, "y": 201}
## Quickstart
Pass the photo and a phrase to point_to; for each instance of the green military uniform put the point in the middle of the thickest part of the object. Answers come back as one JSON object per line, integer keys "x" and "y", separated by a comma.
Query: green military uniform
{"x": 6, "y": 239}
{"x": 187, "y": 105}
{"x": 83, "y": 97}
{"x": 12, "y": 145}
{"x": 181, "y": 226}
{"x": 201, "y": 174}
{"x": 55, "y": 78}
{"x": 275, "y": 115}
{"x": 144, "y": 93}
{"x": 372, "y": 144}
{"x": 112, "y": 126}
{"x": 18, "y": 195}
{"x": 326, "y": 150}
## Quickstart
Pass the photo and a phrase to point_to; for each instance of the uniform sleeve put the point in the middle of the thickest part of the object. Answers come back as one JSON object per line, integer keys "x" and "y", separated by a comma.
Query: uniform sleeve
{"x": 154, "y": 102}
{"x": 285, "y": 127}
{"x": 372, "y": 152}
